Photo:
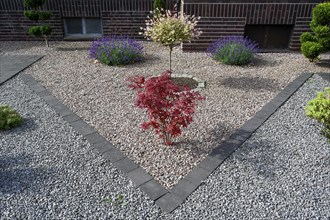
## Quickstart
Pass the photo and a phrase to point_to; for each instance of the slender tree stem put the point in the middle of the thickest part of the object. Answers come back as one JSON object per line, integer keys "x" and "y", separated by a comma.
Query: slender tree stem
{"x": 171, "y": 48}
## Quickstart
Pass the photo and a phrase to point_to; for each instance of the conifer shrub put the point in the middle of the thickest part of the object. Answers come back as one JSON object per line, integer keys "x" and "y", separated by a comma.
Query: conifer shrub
{"x": 9, "y": 118}
{"x": 319, "y": 109}
{"x": 34, "y": 12}
{"x": 317, "y": 42}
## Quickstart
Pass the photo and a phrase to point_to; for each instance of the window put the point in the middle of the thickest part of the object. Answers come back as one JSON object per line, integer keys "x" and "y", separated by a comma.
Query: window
{"x": 270, "y": 36}
{"x": 83, "y": 26}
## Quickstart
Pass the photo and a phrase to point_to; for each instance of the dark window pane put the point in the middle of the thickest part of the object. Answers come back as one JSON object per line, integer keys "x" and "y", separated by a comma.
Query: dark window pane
{"x": 270, "y": 36}
{"x": 93, "y": 26}
{"x": 73, "y": 25}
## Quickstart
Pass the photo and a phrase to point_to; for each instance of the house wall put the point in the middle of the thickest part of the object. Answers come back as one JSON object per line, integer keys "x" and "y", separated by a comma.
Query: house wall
{"x": 219, "y": 18}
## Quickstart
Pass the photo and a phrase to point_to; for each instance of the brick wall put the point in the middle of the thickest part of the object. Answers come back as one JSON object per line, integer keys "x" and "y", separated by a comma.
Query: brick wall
{"x": 219, "y": 18}
{"x": 237, "y": 15}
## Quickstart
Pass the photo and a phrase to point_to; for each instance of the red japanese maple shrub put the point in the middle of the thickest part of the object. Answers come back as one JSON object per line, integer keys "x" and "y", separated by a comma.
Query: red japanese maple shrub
{"x": 170, "y": 107}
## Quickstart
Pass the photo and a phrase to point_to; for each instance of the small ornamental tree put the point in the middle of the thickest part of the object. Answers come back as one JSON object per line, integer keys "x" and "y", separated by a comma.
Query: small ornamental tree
{"x": 169, "y": 29}
{"x": 313, "y": 44}
{"x": 159, "y": 6}
{"x": 33, "y": 11}
{"x": 170, "y": 107}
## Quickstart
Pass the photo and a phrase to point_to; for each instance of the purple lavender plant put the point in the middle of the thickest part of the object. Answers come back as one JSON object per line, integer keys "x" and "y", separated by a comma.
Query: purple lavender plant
{"x": 116, "y": 50}
{"x": 233, "y": 50}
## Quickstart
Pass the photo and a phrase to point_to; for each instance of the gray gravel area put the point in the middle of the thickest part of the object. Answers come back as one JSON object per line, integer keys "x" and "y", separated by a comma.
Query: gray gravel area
{"x": 48, "y": 171}
{"x": 281, "y": 172}
{"x": 99, "y": 94}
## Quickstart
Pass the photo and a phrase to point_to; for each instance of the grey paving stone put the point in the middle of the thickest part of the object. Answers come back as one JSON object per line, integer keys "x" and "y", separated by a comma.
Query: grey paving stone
{"x": 139, "y": 176}
{"x": 71, "y": 118}
{"x": 210, "y": 163}
{"x": 197, "y": 175}
{"x": 153, "y": 189}
{"x": 95, "y": 138}
{"x": 62, "y": 109}
{"x": 28, "y": 79}
{"x": 82, "y": 127}
{"x": 126, "y": 165}
{"x": 37, "y": 88}
{"x": 325, "y": 76}
{"x": 224, "y": 151}
{"x": 11, "y": 65}
{"x": 44, "y": 94}
{"x": 183, "y": 189}
{"x": 169, "y": 202}
{"x": 51, "y": 101}
{"x": 113, "y": 155}
{"x": 103, "y": 146}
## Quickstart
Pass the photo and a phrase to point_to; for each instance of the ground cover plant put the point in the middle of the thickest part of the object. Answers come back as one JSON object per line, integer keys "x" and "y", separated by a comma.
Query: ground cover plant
{"x": 319, "y": 109}
{"x": 170, "y": 107}
{"x": 317, "y": 42}
{"x": 9, "y": 118}
{"x": 171, "y": 29}
{"x": 233, "y": 50}
{"x": 116, "y": 50}
{"x": 33, "y": 11}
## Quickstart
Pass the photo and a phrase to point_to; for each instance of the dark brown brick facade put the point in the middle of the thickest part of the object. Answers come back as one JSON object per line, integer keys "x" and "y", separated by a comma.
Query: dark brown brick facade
{"x": 219, "y": 18}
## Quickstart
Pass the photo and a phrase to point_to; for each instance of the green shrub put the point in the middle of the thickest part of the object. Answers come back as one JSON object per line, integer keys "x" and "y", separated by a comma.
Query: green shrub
{"x": 319, "y": 109}
{"x": 311, "y": 50}
{"x": 9, "y": 118}
{"x": 32, "y": 15}
{"x": 159, "y": 4}
{"x": 306, "y": 36}
{"x": 45, "y": 15}
{"x": 320, "y": 37}
{"x": 321, "y": 15}
{"x": 34, "y": 3}
{"x": 35, "y": 15}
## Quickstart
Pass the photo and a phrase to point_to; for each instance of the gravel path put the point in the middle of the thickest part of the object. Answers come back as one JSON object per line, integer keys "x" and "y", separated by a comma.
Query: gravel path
{"x": 99, "y": 94}
{"x": 48, "y": 171}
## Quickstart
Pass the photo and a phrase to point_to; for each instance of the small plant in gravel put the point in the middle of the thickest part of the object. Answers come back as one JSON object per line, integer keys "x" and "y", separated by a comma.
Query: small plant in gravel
{"x": 9, "y": 118}
{"x": 313, "y": 44}
{"x": 170, "y": 107}
{"x": 171, "y": 29}
{"x": 33, "y": 11}
{"x": 233, "y": 50}
{"x": 117, "y": 201}
{"x": 116, "y": 50}
{"x": 319, "y": 109}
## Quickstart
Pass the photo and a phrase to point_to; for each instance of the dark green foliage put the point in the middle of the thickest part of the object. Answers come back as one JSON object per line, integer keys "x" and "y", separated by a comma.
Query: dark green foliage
{"x": 44, "y": 15}
{"x": 32, "y": 15}
{"x": 34, "y": 3}
{"x": 313, "y": 44}
{"x": 9, "y": 118}
{"x": 306, "y": 36}
{"x": 319, "y": 109}
{"x": 311, "y": 50}
{"x": 321, "y": 15}
{"x": 38, "y": 31}
{"x": 37, "y": 14}
{"x": 159, "y": 4}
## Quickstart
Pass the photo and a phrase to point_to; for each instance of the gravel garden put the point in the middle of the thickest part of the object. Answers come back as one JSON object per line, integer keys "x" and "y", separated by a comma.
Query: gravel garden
{"x": 122, "y": 88}
{"x": 100, "y": 95}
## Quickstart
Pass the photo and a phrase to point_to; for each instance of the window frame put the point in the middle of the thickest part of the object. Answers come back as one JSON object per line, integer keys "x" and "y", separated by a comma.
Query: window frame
{"x": 83, "y": 22}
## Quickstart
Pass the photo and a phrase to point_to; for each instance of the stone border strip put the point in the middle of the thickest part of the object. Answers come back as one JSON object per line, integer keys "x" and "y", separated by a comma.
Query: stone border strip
{"x": 13, "y": 64}
{"x": 166, "y": 200}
